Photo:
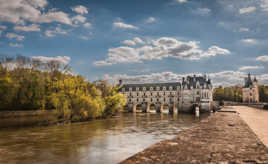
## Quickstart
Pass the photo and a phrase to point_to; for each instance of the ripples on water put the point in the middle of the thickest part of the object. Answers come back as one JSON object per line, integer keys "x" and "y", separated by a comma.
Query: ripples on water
{"x": 94, "y": 142}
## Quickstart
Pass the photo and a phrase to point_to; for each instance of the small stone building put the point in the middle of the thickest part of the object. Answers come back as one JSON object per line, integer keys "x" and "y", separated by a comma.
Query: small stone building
{"x": 176, "y": 97}
{"x": 250, "y": 90}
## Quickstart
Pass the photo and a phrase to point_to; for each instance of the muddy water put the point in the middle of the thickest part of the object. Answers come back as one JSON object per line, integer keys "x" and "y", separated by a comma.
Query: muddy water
{"x": 94, "y": 142}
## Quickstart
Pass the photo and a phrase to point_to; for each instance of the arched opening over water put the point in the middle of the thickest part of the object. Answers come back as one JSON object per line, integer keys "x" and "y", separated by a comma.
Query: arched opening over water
{"x": 153, "y": 108}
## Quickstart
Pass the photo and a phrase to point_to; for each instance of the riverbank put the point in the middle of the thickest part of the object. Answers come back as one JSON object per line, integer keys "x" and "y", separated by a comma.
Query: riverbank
{"x": 12, "y": 119}
{"x": 222, "y": 138}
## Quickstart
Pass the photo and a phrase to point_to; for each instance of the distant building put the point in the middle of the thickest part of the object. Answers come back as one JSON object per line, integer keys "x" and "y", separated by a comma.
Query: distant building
{"x": 250, "y": 90}
{"x": 177, "y": 96}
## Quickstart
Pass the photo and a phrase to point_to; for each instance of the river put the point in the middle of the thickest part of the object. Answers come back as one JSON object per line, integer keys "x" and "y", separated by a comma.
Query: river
{"x": 104, "y": 141}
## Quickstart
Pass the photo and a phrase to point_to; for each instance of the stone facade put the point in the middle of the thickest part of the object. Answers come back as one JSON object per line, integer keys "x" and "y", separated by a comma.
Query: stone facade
{"x": 173, "y": 97}
{"x": 250, "y": 90}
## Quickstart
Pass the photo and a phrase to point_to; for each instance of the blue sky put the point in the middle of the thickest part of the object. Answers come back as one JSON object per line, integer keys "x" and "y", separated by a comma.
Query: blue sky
{"x": 142, "y": 41}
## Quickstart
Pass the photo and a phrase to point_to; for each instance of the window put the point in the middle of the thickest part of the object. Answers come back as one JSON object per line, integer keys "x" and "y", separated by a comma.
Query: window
{"x": 157, "y": 88}
{"x": 151, "y": 88}
{"x": 144, "y": 88}
{"x": 197, "y": 92}
{"x": 129, "y": 100}
{"x": 164, "y": 88}
{"x": 130, "y": 89}
{"x": 170, "y": 88}
{"x": 123, "y": 89}
{"x": 137, "y": 88}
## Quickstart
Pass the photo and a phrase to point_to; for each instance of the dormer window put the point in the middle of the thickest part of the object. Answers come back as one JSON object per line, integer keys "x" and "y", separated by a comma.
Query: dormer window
{"x": 170, "y": 88}
{"x": 164, "y": 88}
{"x": 137, "y": 88}
{"x": 151, "y": 88}
{"x": 157, "y": 88}
{"x": 144, "y": 88}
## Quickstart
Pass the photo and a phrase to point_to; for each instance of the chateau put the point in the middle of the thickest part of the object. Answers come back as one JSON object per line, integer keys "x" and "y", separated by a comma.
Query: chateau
{"x": 172, "y": 97}
{"x": 250, "y": 90}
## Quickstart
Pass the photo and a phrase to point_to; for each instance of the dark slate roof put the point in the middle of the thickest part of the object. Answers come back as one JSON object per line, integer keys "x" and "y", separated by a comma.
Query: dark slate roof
{"x": 149, "y": 85}
{"x": 188, "y": 82}
{"x": 191, "y": 81}
{"x": 249, "y": 82}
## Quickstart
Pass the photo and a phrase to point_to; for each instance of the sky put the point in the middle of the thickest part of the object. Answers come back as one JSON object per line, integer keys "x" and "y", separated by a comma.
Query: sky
{"x": 142, "y": 40}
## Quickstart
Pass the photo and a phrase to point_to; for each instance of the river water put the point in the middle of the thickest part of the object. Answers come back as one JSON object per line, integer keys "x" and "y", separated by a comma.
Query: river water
{"x": 104, "y": 141}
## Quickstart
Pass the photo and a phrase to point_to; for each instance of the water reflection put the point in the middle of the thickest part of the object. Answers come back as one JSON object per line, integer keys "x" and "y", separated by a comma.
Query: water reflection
{"x": 97, "y": 142}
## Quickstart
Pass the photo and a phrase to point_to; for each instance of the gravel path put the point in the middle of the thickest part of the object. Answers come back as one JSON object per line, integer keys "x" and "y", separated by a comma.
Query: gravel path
{"x": 256, "y": 119}
{"x": 223, "y": 138}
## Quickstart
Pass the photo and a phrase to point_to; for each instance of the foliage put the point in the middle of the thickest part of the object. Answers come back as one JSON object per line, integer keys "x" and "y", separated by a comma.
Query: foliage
{"x": 27, "y": 84}
{"x": 235, "y": 94}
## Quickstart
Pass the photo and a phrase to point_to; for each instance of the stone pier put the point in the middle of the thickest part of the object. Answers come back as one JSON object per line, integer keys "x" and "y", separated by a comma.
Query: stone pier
{"x": 148, "y": 108}
{"x": 175, "y": 109}
{"x": 134, "y": 108}
{"x": 161, "y": 108}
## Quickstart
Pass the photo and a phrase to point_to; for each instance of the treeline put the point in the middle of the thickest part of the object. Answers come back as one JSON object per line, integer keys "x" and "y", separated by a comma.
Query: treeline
{"x": 47, "y": 84}
{"x": 234, "y": 93}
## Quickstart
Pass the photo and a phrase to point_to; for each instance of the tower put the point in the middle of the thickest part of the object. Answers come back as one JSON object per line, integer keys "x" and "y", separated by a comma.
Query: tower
{"x": 250, "y": 90}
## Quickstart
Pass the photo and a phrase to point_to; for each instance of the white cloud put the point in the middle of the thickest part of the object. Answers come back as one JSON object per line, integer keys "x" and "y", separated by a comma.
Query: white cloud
{"x": 133, "y": 42}
{"x": 181, "y": 1}
{"x": 224, "y": 78}
{"x": 79, "y": 19}
{"x": 53, "y": 16}
{"x": 138, "y": 40}
{"x": 264, "y": 5}
{"x": 15, "y": 36}
{"x": 60, "y": 59}
{"x": 159, "y": 49}
{"x": 249, "y": 41}
{"x": 32, "y": 27}
{"x": 262, "y": 58}
{"x": 19, "y": 11}
{"x": 119, "y": 24}
{"x": 15, "y": 45}
{"x": 150, "y": 20}
{"x": 3, "y": 27}
{"x": 80, "y": 9}
{"x": 245, "y": 68}
{"x": 247, "y": 10}
{"x": 129, "y": 42}
{"x": 202, "y": 11}
{"x": 243, "y": 29}
{"x": 54, "y": 32}
{"x": 84, "y": 37}
{"x": 87, "y": 25}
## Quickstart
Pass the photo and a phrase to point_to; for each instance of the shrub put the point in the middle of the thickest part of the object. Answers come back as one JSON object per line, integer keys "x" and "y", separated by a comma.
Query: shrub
{"x": 265, "y": 107}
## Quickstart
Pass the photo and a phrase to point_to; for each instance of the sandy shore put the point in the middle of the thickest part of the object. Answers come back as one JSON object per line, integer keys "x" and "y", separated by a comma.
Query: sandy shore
{"x": 256, "y": 119}
{"x": 223, "y": 138}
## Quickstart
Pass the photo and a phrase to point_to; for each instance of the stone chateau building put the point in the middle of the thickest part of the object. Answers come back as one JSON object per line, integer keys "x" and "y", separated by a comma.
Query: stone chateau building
{"x": 172, "y": 97}
{"x": 250, "y": 90}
